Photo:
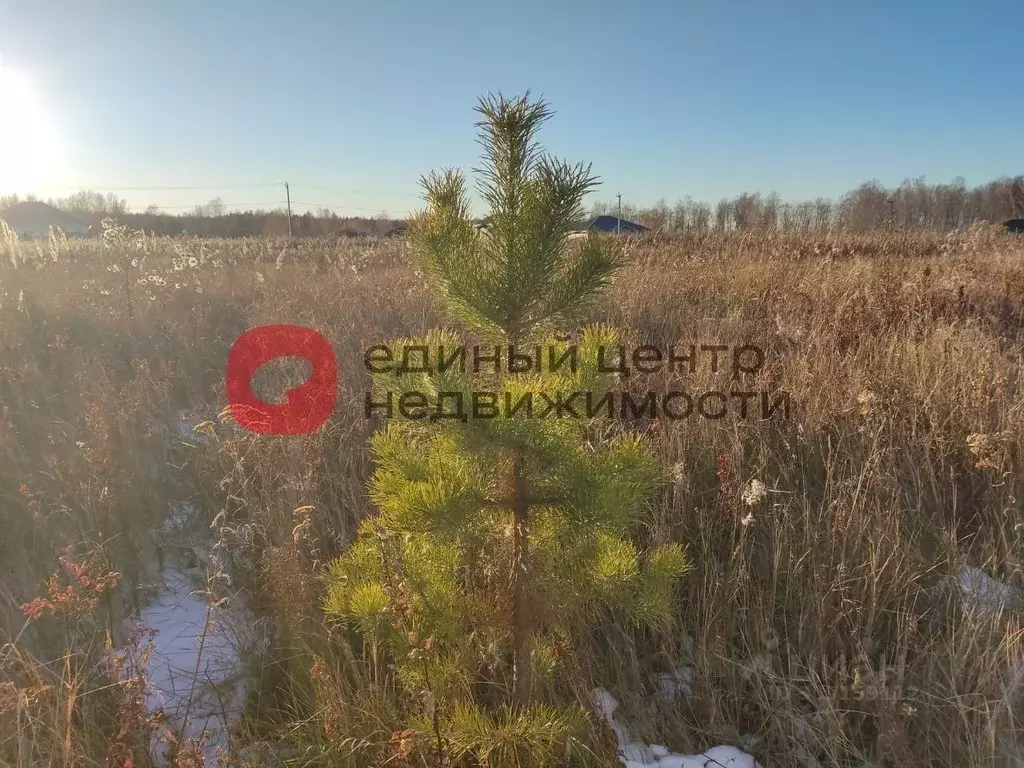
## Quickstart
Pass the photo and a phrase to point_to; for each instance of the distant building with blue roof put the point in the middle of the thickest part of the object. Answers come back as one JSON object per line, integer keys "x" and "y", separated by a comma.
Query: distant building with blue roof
{"x": 606, "y": 223}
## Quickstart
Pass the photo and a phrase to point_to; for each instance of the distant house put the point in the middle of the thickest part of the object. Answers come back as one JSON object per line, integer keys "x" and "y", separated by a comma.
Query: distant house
{"x": 34, "y": 219}
{"x": 611, "y": 224}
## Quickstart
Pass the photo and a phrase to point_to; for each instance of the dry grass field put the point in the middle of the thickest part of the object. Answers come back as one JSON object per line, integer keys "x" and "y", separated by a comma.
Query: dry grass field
{"x": 827, "y": 617}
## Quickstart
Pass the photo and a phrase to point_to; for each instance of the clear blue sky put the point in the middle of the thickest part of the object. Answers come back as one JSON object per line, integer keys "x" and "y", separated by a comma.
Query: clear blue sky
{"x": 666, "y": 99}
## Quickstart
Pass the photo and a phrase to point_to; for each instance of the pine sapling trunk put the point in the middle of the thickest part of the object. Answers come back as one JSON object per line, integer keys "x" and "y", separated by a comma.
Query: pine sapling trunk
{"x": 522, "y": 619}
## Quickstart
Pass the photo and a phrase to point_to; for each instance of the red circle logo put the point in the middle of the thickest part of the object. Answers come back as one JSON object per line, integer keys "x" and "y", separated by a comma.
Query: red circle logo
{"x": 308, "y": 406}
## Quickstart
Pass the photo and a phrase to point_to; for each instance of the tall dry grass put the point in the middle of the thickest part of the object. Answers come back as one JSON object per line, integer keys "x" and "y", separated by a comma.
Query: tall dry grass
{"x": 819, "y": 617}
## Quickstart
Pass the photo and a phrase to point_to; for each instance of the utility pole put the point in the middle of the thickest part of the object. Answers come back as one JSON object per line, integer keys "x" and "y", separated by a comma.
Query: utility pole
{"x": 288, "y": 196}
{"x": 618, "y": 218}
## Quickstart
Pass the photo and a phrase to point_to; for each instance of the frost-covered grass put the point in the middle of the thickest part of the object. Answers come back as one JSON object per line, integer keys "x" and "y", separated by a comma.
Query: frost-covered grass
{"x": 856, "y": 570}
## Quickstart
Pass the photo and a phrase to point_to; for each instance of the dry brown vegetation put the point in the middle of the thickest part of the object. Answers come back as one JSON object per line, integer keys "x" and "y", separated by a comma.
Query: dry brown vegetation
{"x": 821, "y": 619}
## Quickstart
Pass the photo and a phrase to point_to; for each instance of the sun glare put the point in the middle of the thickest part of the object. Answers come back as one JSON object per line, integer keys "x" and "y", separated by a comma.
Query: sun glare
{"x": 28, "y": 145}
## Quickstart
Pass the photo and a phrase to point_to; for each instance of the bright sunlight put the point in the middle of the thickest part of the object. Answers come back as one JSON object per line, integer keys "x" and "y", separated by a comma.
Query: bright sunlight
{"x": 28, "y": 144}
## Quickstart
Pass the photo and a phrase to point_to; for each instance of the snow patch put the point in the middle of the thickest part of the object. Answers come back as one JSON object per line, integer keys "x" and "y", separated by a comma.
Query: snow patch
{"x": 191, "y": 426}
{"x": 194, "y": 673}
{"x": 987, "y": 595}
{"x": 674, "y": 686}
{"x": 633, "y": 754}
{"x": 180, "y": 517}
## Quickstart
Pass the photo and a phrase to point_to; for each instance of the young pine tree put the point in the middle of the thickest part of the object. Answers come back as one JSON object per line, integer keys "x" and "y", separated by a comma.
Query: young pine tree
{"x": 503, "y": 536}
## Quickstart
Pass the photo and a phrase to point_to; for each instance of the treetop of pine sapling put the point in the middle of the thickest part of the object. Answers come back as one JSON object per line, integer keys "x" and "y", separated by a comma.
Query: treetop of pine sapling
{"x": 522, "y": 273}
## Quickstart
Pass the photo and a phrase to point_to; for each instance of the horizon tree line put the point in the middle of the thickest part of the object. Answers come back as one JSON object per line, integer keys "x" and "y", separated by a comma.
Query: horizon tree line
{"x": 914, "y": 204}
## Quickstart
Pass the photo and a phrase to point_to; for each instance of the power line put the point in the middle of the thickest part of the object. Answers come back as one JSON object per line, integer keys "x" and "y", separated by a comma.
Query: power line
{"x": 225, "y": 205}
{"x": 282, "y": 203}
{"x": 135, "y": 188}
{"x": 349, "y": 207}
{"x": 343, "y": 190}
{"x": 267, "y": 185}
{"x": 104, "y": 187}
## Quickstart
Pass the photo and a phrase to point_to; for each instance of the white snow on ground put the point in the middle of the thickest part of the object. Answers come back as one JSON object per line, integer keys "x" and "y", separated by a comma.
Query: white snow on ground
{"x": 194, "y": 672}
{"x": 673, "y": 686}
{"x": 179, "y": 518}
{"x": 986, "y": 594}
{"x": 195, "y": 675}
{"x": 633, "y": 754}
{"x": 185, "y": 426}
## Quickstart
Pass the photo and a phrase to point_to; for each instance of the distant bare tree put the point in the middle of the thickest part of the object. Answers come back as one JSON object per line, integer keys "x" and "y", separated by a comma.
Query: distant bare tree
{"x": 745, "y": 210}
{"x": 770, "y": 211}
{"x": 657, "y": 217}
{"x": 863, "y": 208}
{"x": 699, "y": 216}
{"x": 723, "y": 214}
{"x": 680, "y": 219}
{"x": 211, "y": 209}
{"x": 801, "y": 216}
{"x": 90, "y": 204}
{"x": 824, "y": 213}
{"x": 1017, "y": 196}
